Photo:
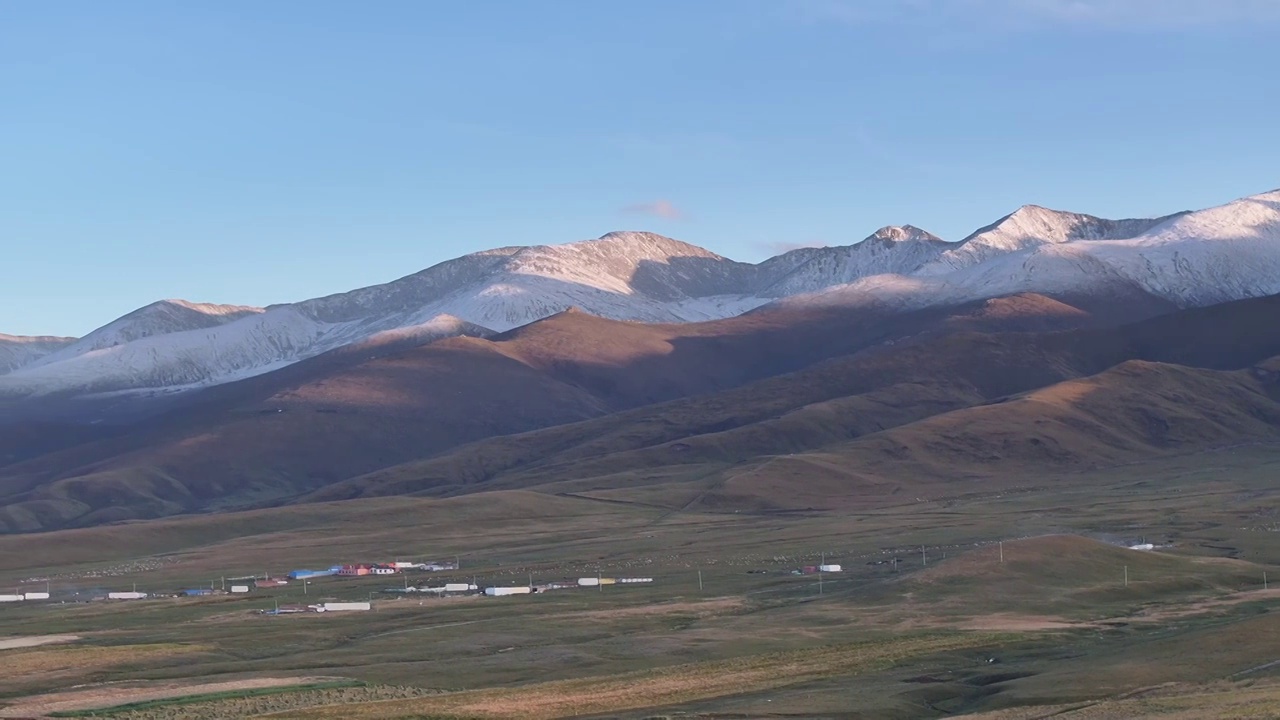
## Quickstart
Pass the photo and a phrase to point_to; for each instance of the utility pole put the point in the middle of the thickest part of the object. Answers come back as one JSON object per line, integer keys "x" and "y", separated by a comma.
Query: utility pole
{"x": 224, "y": 583}
{"x": 599, "y": 585}
{"x": 1126, "y": 576}
{"x": 699, "y": 581}
{"x": 924, "y": 558}
{"x": 1001, "y": 552}
{"x": 819, "y": 579}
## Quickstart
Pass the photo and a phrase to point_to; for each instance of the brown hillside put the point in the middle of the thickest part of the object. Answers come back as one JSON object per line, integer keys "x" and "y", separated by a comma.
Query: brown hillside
{"x": 1135, "y": 411}
{"x": 694, "y": 399}
{"x": 344, "y": 414}
{"x": 831, "y": 402}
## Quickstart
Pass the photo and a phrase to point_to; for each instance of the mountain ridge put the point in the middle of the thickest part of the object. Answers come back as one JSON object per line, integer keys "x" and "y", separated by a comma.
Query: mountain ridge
{"x": 1185, "y": 259}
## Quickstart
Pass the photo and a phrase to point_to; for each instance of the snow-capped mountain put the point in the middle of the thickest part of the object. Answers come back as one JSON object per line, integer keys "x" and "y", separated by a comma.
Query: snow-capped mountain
{"x": 625, "y": 275}
{"x": 633, "y": 276}
{"x": 890, "y": 250}
{"x": 1031, "y": 227}
{"x": 1188, "y": 259}
{"x": 255, "y": 344}
{"x": 1223, "y": 253}
{"x": 158, "y": 318}
{"x": 17, "y": 351}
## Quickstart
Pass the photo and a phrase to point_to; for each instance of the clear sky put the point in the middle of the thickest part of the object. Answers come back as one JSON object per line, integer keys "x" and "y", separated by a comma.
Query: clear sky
{"x": 254, "y": 153}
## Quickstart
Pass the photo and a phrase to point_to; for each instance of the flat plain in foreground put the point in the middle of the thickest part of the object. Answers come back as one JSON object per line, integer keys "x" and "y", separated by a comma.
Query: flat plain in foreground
{"x": 946, "y": 630}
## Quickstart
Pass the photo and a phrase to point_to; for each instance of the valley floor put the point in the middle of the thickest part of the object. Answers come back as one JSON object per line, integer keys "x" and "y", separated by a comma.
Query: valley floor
{"x": 1024, "y": 603}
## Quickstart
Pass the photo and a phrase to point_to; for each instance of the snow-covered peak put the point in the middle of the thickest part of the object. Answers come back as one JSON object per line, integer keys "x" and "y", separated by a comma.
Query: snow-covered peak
{"x": 1223, "y": 253}
{"x": 902, "y": 233}
{"x": 164, "y": 316}
{"x": 627, "y": 262}
{"x": 1254, "y": 216}
{"x": 647, "y": 244}
{"x": 177, "y": 305}
{"x": 33, "y": 339}
{"x": 891, "y": 250}
{"x": 1032, "y": 226}
{"x": 158, "y": 318}
{"x": 20, "y": 350}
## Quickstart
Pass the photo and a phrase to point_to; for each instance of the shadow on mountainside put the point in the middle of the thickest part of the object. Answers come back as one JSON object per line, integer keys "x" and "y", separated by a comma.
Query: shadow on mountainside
{"x": 831, "y": 402}
{"x": 593, "y": 379}
{"x": 344, "y": 414}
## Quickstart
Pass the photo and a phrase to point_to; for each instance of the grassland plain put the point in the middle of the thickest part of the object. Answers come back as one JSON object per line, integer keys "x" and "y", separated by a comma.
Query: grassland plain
{"x": 1056, "y": 614}
{"x": 99, "y": 700}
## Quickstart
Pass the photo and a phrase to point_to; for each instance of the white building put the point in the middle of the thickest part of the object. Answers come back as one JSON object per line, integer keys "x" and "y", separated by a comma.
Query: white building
{"x": 344, "y": 606}
{"x": 500, "y": 591}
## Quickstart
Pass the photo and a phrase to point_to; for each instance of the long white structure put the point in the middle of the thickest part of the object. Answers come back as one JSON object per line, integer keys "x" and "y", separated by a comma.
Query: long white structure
{"x": 126, "y": 595}
{"x": 500, "y": 591}
{"x": 36, "y": 596}
{"x": 344, "y": 606}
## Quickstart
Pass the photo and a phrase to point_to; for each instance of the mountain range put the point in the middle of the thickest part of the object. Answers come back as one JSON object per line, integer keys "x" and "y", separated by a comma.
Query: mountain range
{"x": 1187, "y": 259}
{"x": 635, "y": 368}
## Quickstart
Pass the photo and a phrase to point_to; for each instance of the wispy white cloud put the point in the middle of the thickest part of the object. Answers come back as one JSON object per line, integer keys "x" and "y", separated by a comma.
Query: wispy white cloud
{"x": 663, "y": 209}
{"x": 1012, "y": 14}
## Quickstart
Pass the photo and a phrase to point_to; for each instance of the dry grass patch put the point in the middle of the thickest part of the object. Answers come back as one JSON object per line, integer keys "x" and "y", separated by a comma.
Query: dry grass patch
{"x": 664, "y": 686}
{"x": 1238, "y": 701}
{"x": 114, "y": 695}
{"x": 705, "y": 608}
{"x": 24, "y": 664}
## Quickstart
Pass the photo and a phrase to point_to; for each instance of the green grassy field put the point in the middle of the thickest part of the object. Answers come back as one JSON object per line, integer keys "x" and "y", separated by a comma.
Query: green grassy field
{"x": 911, "y": 641}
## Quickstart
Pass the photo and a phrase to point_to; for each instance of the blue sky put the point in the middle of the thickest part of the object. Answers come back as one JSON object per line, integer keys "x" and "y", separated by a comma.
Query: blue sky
{"x": 257, "y": 153}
